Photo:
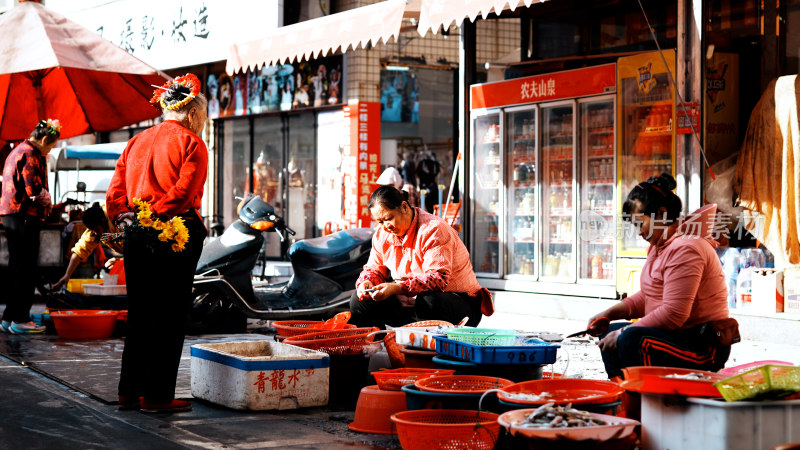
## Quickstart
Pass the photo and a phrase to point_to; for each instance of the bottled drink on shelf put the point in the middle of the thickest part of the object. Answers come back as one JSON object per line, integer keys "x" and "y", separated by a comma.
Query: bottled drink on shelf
{"x": 596, "y": 267}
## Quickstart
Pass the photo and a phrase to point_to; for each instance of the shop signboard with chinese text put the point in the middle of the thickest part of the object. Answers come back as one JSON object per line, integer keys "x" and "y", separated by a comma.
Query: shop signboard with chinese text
{"x": 174, "y": 34}
{"x": 542, "y": 88}
{"x": 361, "y": 160}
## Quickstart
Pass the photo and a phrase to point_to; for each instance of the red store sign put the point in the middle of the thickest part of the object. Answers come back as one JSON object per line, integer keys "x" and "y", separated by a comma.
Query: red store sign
{"x": 539, "y": 88}
{"x": 361, "y": 160}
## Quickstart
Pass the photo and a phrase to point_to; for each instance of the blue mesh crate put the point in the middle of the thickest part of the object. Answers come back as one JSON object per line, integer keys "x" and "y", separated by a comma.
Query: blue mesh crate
{"x": 532, "y": 351}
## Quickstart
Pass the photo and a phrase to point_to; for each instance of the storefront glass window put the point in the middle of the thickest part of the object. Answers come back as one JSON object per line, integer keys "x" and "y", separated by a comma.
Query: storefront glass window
{"x": 417, "y": 114}
{"x": 330, "y": 177}
{"x": 267, "y": 171}
{"x": 301, "y": 175}
{"x": 235, "y": 158}
{"x": 792, "y": 37}
{"x": 605, "y": 27}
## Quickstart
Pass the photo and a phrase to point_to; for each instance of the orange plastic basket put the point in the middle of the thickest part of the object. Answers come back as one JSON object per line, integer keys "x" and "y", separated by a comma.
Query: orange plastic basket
{"x": 395, "y": 379}
{"x": 446, "y": 429}
{"x": 562, "y": 391}
{"x": 288, "y": 328}
{"x": 461, "y": 384}
{"x": 335, "y": 342}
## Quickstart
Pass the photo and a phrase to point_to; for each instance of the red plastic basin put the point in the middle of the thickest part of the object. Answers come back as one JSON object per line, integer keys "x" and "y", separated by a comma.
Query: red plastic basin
{"x": 84, "y": 324}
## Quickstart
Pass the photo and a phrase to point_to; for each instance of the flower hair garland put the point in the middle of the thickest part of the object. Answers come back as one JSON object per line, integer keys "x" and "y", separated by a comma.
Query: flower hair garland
{"x": 53, "y": 126}
{"x": 189, "y": 80}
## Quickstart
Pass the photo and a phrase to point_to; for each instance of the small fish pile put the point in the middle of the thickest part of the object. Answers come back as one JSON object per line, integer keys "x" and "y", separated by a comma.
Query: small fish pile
{"x": 690, "y": 376}
{"x": 528, "y": 397}
{"x": 549, "y": 416}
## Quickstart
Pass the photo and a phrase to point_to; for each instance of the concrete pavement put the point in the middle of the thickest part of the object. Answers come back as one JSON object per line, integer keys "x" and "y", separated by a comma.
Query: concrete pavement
{"x": 38, "y": 413}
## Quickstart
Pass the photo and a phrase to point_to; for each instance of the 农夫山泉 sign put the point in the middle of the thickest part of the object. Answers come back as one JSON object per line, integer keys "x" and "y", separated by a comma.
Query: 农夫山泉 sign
{"x": 540, "y": 88}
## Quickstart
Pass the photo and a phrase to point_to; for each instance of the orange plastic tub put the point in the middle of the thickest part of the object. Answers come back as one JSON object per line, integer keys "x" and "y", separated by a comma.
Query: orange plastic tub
{"x": 671, "y": 380}
{"x": 375, "y": 408}
{"x": 84, "y": 324}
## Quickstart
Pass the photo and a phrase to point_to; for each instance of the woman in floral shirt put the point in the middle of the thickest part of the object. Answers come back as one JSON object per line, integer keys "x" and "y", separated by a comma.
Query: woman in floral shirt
{"x": 418, "y": 269}
{"x": 24, "y": 204}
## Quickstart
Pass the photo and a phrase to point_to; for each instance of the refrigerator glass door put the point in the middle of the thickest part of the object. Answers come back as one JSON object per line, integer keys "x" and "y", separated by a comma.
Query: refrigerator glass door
{"x": 647, "y": 132}
{"x": 488, "y": 219}
{"x": 598, "y": 181}
{"x": 521, "y": 133}
{"x": 558, "y": 192}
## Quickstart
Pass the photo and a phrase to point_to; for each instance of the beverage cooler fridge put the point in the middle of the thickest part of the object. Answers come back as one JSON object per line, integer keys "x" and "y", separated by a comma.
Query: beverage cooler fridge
{"x": 647, "y": 130}
{"x": 544, "y": 186}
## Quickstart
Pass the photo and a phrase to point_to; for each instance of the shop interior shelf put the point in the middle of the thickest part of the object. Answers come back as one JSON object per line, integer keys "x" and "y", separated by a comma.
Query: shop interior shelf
{"x": 602, "y": 130}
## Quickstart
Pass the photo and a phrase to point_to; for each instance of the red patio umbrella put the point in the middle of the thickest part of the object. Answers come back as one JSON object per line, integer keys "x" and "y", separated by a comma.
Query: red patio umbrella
{"x": 51, "y": 67}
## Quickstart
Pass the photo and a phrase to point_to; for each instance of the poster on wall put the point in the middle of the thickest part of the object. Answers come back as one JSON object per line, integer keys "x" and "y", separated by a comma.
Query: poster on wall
{"x": 722, "y": 106}
{"x": 399, "y": 95}
{"x": 279, "y": 87}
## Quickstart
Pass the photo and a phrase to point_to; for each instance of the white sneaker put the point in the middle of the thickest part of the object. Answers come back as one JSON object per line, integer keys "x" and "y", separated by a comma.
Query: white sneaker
{"x": 26, "y": 328}
{"x": 5, "y": 326}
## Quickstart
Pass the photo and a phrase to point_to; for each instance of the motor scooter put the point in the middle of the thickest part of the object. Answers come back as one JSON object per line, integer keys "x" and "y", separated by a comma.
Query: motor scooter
{"x": 325, "y": 270}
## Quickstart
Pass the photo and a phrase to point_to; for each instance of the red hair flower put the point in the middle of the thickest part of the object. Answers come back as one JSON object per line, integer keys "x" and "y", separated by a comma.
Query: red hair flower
{"x": 189, "y": 80}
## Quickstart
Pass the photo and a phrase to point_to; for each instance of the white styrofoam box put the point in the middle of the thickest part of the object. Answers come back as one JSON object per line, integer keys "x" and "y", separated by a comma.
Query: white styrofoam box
{"x": 791, "y": 290}
{"x": 418, "y": 337}
{"x": 101, "y": 289}
{"x": 706, "y": 424}
{"x": 259, "y": 375}
{"x": 767, "y": 291}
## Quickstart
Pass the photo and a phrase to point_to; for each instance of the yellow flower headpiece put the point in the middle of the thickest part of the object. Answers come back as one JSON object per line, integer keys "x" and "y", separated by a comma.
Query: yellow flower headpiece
{"x": 189, "y": 81}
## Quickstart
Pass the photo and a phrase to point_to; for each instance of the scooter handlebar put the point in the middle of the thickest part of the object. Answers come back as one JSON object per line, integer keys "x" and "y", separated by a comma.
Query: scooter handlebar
{"x": 290, "y": 231}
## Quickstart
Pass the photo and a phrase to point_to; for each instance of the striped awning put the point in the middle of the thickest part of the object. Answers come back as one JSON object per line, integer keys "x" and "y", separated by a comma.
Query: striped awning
{"x": 437, "y": 13}
{"x": 314, "y": 38}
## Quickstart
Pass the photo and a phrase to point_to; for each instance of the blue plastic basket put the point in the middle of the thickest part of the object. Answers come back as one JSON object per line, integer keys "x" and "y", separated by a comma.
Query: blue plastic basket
{"x": 533, "y": 352}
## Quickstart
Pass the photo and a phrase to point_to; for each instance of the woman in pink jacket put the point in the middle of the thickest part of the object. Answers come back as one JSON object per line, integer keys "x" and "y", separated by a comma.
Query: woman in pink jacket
{"x": 682, "y": 288}
{"x": 418, "y": 269}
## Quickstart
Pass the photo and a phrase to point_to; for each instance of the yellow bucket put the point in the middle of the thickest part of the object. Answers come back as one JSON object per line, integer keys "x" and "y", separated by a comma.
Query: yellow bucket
{"x": 75, "y": 285}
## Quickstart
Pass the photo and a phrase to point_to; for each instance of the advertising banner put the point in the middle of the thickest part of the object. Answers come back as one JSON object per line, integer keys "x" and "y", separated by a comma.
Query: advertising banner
{"x": 361, "y": 160}
{"x": 721, "y": 115}
{"x": 281, "y": 87}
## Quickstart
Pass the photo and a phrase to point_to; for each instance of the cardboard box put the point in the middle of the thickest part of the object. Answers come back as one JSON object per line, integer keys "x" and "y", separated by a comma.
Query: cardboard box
{"x": 767, "y": 291}
{"x": 259, "y": 375}
{"x": 791, "y": 288}
{"x": 706, "y": 424}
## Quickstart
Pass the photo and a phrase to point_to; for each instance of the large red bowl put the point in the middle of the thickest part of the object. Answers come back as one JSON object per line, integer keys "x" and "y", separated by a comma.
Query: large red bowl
{"x": 562, "y": 391}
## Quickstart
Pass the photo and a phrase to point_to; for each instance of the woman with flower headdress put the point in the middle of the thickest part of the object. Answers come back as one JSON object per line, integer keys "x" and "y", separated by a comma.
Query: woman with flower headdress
{"x": 24, "y": 204}
{"x": 161, "y": 174}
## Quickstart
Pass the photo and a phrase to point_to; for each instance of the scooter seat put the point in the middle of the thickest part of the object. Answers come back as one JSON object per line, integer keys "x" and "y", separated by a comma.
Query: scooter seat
{"x": 327, "y": 251}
